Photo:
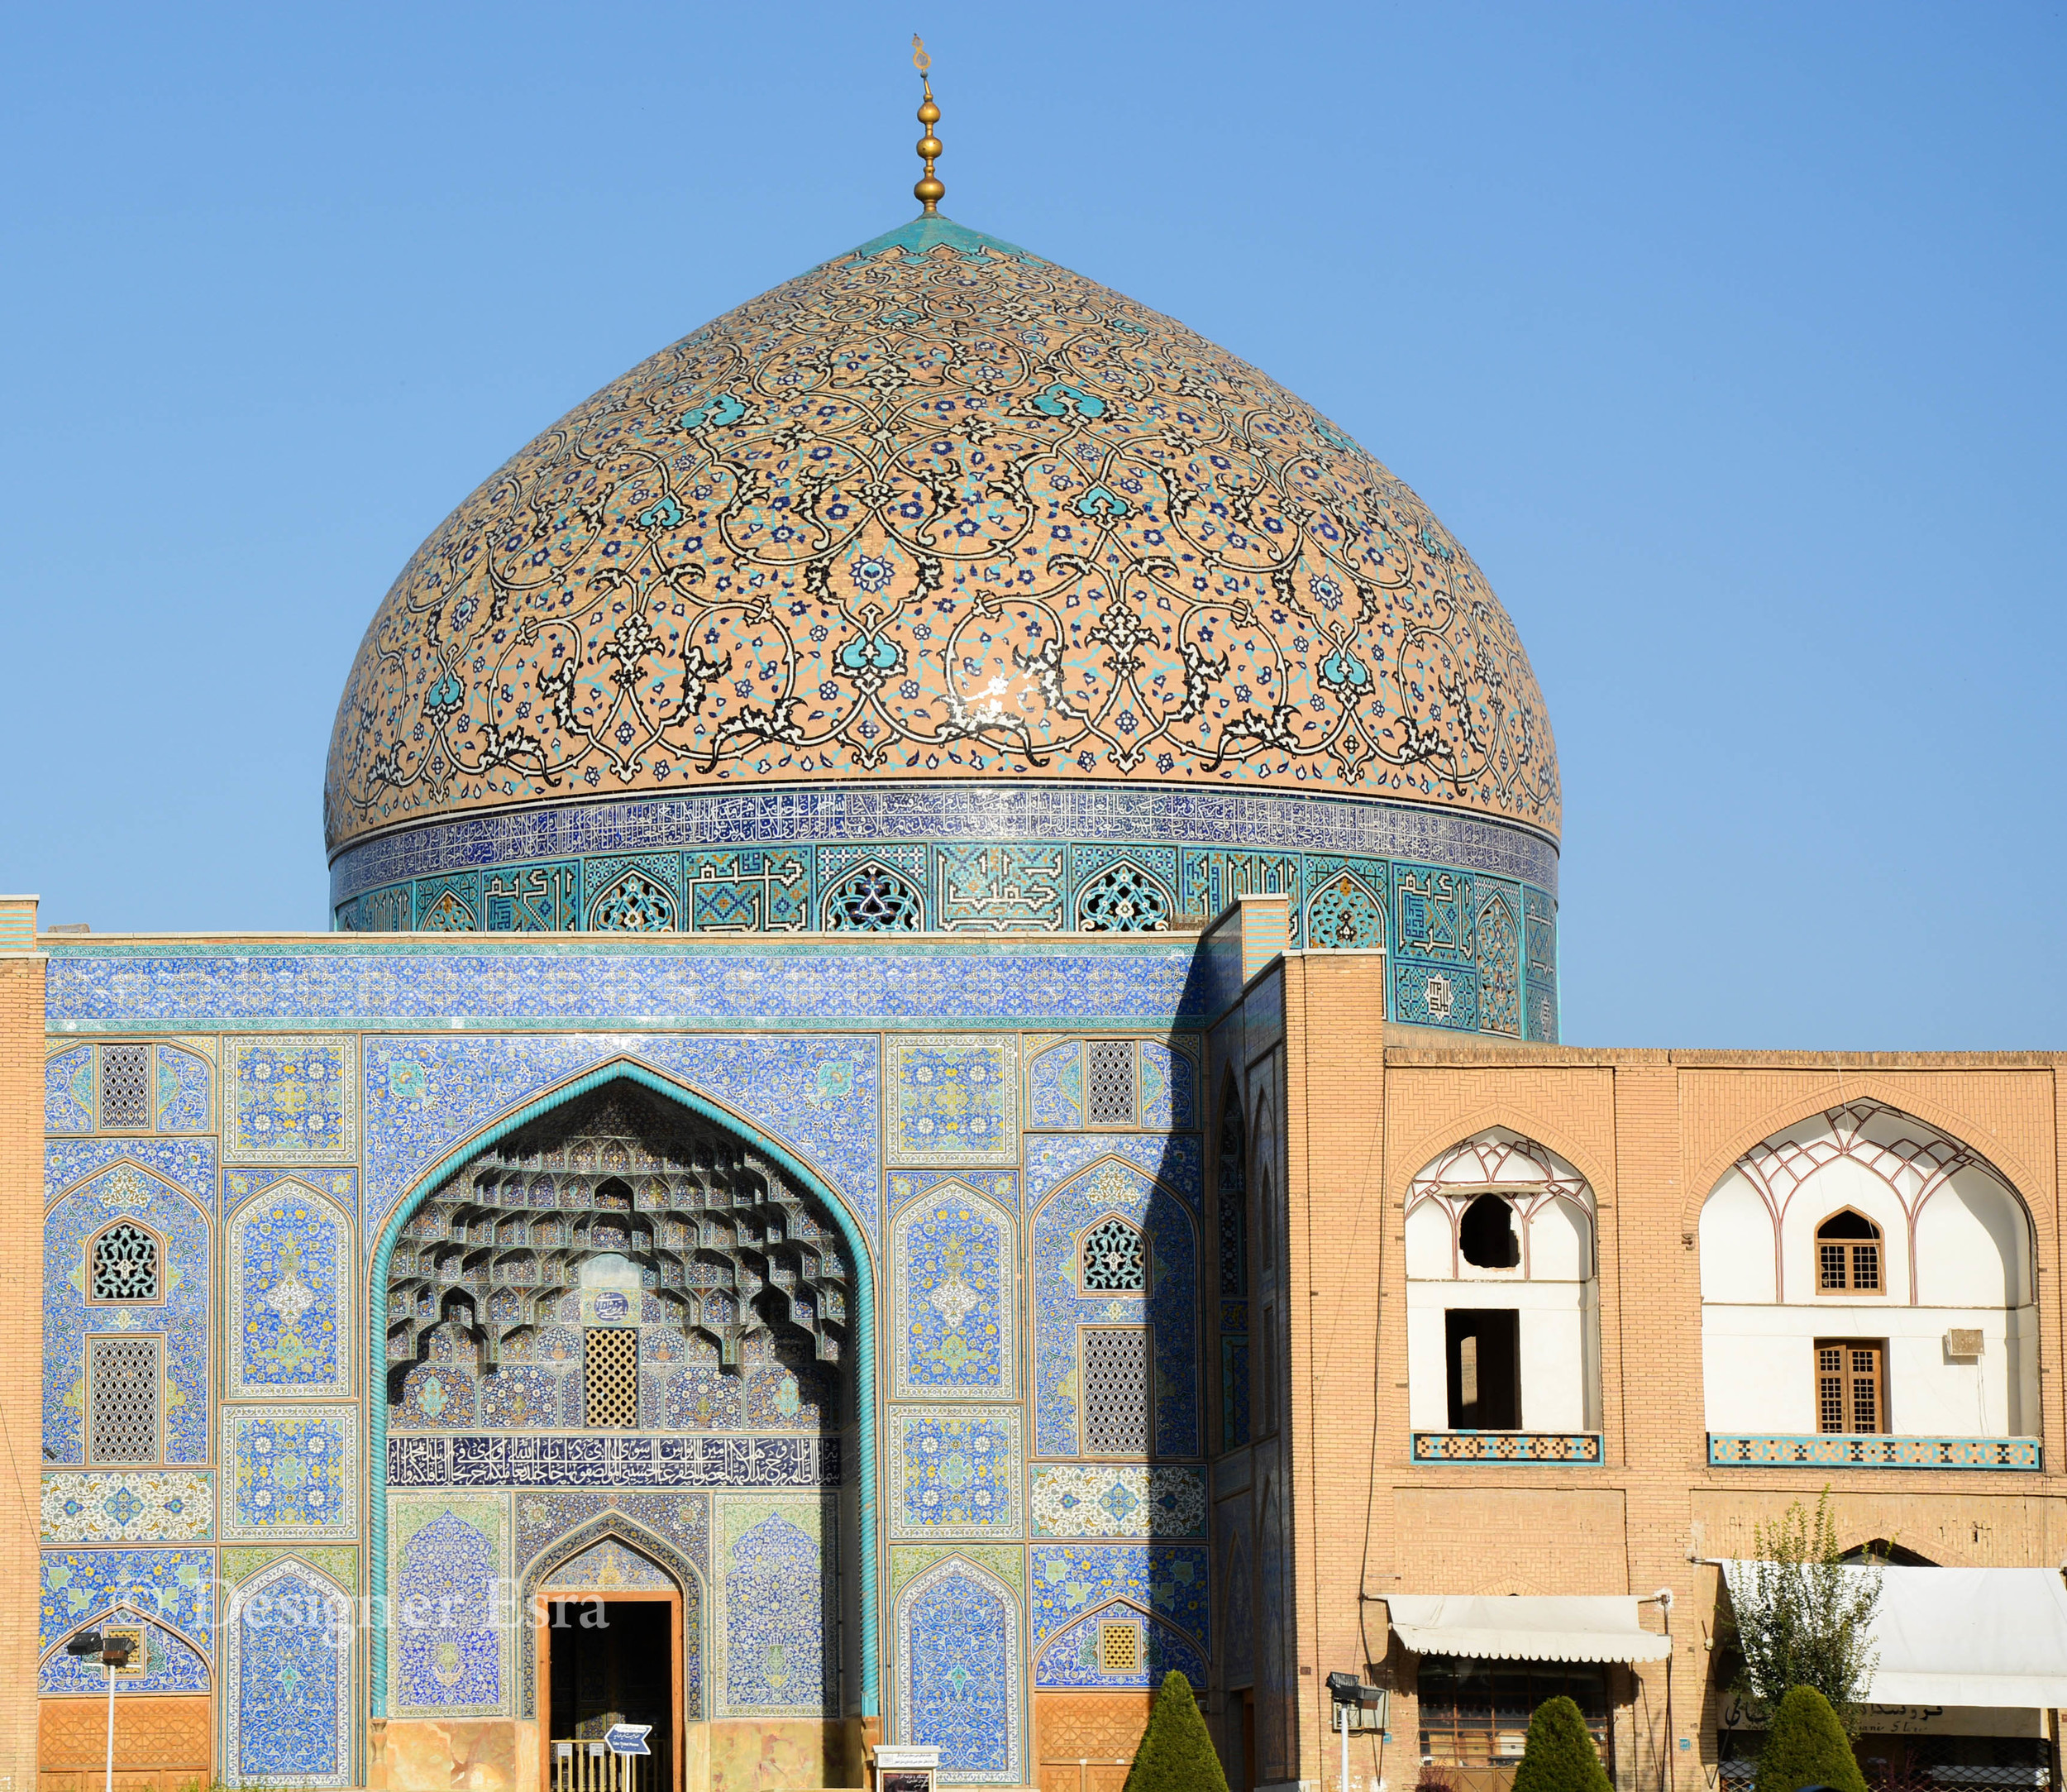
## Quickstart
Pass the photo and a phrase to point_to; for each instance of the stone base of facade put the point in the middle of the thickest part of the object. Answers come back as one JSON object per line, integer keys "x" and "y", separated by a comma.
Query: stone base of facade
{"x": 453, "y": 1755}
{"x": 506, "y": 1754}
{"x": 747, "y": 1754}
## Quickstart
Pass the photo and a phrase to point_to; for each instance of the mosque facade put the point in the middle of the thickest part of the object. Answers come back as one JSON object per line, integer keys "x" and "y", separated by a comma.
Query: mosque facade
{"x": 936, "y": 1088}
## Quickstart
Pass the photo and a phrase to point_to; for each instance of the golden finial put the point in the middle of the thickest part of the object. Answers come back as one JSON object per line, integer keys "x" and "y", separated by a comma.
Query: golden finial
{"x": 928, "y": 192}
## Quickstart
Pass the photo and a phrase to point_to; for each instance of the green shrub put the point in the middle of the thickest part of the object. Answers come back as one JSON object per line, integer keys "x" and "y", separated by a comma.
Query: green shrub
{"x": 1559, "y": 1756}
{"x": 1805, "y": 1746}
{"x": 1177, "y": 1755}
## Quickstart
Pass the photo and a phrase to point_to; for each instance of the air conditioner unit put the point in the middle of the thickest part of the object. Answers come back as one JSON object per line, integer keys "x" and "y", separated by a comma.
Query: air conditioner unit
{"x": 1963, "y": 1344}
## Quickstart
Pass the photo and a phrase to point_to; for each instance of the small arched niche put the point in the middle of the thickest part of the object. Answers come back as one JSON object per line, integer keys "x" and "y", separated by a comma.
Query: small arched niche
{"x": 1503, "y": 1305}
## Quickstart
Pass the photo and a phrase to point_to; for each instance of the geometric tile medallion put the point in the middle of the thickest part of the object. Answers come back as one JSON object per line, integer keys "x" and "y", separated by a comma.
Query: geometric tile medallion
{"x": 1118, "y": 1500}
{"x": 289, "y": 1472}
{"x": 954, "y": 1099}
{"x": 290, "y": 1101}
{"x": 140, "y": 1506}
{"x": 954, "y": 1472}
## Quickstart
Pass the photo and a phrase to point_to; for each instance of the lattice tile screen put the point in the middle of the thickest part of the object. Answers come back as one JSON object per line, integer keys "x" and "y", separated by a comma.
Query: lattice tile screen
{"x": 1118, "y": 1649}
{"x": 125, "y": 1264}
{"x": 125, "y": 1086}
{"x": 1115, "y": 1260}
{"x": 1109, "y": 1083}
{"x": 1116, "y": 1389}
{"x": 122, "y": 1374}
{"x": 610, "y": 1376}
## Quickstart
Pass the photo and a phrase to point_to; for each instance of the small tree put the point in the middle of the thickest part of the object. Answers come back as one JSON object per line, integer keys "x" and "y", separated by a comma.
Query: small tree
{"x": 1559, "y": 1756}
{"x": 1803, "y": 1613}
{"x": 1175, "y": 1754}
{"x": 1805, "y": 1746}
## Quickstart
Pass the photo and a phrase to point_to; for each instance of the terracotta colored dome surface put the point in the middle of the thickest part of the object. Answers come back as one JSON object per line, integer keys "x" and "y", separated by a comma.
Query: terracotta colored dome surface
{"x": 938, "y": 510}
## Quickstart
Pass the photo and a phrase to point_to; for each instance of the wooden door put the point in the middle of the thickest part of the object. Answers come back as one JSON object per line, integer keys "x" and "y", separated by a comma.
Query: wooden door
{"x": 1085, "y": 1741}
{"x": 161, "y": 1744}
{"x": 1850, "y": 1385}
{"x": 570, "y": 1763}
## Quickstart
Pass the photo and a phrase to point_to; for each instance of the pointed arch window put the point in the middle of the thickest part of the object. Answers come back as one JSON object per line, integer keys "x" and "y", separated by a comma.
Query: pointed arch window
{"x": 125, "y": 1264}
{"x": 873, "y": 899}
{"x": 1848, "y": 1255}
{"x": 1124, "y": 898}
{"x": 1113, "y": 1258}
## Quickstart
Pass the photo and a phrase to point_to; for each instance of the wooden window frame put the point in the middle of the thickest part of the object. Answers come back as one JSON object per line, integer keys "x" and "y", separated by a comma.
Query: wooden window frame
{"x": 594, "y": 1390}
{"x": 1848, "y": 1375}
{"x": 1122, "y": 1647}
{"x": 1851, "y": 1247}
{"x": 1463, "y": 1700}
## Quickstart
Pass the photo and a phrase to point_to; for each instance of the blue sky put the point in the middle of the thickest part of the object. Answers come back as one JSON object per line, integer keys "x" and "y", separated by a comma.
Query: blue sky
{"x": 1727, "y": 338}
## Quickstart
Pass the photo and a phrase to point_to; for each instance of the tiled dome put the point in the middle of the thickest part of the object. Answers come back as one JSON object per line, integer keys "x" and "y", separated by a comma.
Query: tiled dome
{"x": 938, "y": 509}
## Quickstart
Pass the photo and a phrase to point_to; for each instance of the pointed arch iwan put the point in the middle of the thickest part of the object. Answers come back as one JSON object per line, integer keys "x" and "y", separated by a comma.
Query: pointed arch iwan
{"x": 464, "y": 1153}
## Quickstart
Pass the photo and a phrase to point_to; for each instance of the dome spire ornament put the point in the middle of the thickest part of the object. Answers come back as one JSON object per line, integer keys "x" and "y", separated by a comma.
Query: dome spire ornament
{"x": 928, "y": 192}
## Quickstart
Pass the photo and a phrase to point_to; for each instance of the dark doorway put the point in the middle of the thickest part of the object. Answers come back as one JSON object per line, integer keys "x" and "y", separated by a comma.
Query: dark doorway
{"x": 612, "y": 1661}
{"x": 1483, "y": 1347}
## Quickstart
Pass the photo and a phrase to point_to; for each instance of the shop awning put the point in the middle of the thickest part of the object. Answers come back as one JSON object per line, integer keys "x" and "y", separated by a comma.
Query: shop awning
{"x": 1965, "y": 1636}
{"x": 1524, "y": 1628}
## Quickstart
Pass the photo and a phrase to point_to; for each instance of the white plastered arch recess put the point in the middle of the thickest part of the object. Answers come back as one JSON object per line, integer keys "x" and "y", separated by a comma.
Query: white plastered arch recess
{"x": 1957, "y": 1256}
{"x": 1553, "y": 1286}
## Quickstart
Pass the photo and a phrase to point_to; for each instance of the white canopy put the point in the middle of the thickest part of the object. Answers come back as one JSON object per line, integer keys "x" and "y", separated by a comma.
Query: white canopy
{"x": 1524, "y": 1628}
{"x": 1964, "y": 1636}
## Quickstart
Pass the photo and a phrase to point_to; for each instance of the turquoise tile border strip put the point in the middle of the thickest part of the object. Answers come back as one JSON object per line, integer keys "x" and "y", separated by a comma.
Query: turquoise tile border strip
{"x": 1847, "y": 1449}
{"x": 1573, "y": 1449}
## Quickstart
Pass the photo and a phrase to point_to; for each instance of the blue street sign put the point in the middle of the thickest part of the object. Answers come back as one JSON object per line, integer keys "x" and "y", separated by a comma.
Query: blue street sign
{"x": 629, "y": 1738}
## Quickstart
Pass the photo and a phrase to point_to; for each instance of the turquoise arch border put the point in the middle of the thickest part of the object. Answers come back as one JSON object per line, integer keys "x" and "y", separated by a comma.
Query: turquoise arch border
{"x": 864, "y": 1334}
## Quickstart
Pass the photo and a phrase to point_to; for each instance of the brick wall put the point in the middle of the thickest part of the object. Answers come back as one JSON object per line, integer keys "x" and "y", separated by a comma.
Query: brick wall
{"x": 1652, "y": 1131}
{"x": 21, "y": 1354}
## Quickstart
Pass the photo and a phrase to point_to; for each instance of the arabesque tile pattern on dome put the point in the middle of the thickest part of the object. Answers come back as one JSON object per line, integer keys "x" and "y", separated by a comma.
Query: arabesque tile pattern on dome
{"x": 938, "y": 511}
